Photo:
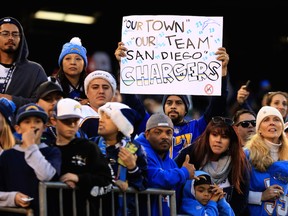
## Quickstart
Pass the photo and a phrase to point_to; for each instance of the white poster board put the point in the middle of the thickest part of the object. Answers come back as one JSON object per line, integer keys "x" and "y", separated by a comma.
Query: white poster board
{"x": 171, "y": 55}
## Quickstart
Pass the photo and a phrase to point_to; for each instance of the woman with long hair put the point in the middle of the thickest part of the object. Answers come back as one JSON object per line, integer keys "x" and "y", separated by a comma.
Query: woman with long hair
{"x": 218, "y": 152}
{"x": 267, "y": 152}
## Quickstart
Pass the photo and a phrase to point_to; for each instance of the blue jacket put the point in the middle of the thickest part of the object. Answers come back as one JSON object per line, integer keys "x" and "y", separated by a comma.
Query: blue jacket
{"x": 162, "y": 173}
{"x": 277, "y": 173}
{"x": 191, "y": 206}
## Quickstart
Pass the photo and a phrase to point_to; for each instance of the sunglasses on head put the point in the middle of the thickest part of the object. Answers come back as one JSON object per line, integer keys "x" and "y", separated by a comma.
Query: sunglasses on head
{"x": 246, "y": 124}
{"x": 219, "y": 119}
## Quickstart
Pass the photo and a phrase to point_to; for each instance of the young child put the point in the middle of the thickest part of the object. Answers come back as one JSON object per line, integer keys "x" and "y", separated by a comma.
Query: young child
{"x": 83, "y": 164}
{"x": 26, "y": 164}
{"x": 128, "y": 160}
{"x": 202, "y": 197}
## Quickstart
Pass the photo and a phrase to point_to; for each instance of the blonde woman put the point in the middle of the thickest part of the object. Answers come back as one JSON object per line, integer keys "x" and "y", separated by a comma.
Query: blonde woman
{"x": 7, "y": 139}
{"x": 267, "y": 152}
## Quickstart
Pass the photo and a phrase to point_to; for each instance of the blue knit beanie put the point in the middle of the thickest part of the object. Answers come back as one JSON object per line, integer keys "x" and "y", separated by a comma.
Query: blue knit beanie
{"x": 7, "y": 109}
{"x": 74, "y": 46}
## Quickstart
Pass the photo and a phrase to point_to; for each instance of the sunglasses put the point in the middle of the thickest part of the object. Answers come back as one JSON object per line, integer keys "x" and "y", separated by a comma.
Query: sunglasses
{"x": 69, "y": 121}
{"x": 219, "y": 119}
{"x": 246, "y": 124}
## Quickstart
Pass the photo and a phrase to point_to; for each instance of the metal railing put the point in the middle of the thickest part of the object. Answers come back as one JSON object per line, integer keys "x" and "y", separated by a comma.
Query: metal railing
{"x": 25, "y": 211}
{"x": 45, "y": 186}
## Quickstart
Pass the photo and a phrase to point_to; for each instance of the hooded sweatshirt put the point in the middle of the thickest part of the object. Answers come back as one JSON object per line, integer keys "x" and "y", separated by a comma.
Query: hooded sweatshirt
{"x": 191, "y": 206}
{"x": 27, "y": 75}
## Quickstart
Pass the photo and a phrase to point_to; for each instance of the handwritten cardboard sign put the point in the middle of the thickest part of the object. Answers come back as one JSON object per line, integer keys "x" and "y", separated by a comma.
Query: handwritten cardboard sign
{"x": 171, "y": 55}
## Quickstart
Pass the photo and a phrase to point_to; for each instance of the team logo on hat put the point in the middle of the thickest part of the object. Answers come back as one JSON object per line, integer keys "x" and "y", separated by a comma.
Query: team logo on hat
{"x": 32, "y": 107}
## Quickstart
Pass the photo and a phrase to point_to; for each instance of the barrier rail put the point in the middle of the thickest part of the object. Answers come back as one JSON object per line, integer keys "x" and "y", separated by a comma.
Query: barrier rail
{"x": 25, "y": 211}
{"x": 43, "y": 186}
{"x": 43, "y": 202}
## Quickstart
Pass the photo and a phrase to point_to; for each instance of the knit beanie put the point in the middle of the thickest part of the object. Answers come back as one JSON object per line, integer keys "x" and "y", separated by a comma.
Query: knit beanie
{"x": 7, "y": 109}
{"x": 184, "y": 99}
{"x": 74, "y": 46}
{"x": 102, "y": 75}
{"x": 122, "y": 116}
{"x": 159, "y": 120}
{"x": 267, "y": 111}
{"x": 12, "y": 21}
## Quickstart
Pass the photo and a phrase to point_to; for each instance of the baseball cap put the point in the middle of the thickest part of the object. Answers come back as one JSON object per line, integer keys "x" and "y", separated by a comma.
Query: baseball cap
{"x": 67, "y": 108}
{"x": 31, "y": 109}
{"x": 46, "y": 88}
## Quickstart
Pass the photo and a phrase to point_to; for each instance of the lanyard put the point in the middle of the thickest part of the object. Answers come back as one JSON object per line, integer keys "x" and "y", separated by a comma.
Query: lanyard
{"x": 8, "y": 77}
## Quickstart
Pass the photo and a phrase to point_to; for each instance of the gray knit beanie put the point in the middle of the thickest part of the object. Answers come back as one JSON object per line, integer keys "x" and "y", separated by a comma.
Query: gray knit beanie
{"x": 159, "y": 120}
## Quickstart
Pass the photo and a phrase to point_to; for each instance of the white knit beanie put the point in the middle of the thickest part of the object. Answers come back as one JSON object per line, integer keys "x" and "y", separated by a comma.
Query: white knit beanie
{"x": 267, "y": 111}
{"x": 122, "y": 116}
{"x": 102, "y": 75}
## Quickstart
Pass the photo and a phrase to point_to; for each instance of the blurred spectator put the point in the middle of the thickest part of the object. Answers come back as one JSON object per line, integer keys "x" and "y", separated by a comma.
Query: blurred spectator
{"x": 279, "y": 100}
{"x": 7, "y": 111}
{"x": 286, "y": 129}
{"x": 100, "y": 61}
{"x": 152, "y": 103}
{"x": 244, "y": 124}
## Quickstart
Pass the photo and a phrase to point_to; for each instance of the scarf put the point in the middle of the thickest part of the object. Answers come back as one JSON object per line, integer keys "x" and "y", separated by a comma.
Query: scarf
{"x": 221, "y": 172}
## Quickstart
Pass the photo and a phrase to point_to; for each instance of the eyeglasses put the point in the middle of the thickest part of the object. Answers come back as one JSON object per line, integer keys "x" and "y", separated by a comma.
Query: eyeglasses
{"x": 7, "y": 34}
{"x": 246, "y": 124}
{"x": 219, "y": 119}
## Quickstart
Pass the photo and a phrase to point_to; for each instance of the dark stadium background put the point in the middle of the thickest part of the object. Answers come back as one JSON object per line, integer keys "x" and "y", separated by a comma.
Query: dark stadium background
{"x": 255, "y": 35}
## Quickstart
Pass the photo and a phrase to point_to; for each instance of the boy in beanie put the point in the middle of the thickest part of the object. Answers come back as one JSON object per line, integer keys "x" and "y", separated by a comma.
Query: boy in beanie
{"x": 22, "y": 76}
{"x": 72, "y": 70}
{"x": 127, "y": 159}
{"x": 163, "y": 171}
{"x": 7, "y": 109}
{"x": 26, "y": 164}
{"x": 202, "y": 197}
{"x": 83, "y": 164}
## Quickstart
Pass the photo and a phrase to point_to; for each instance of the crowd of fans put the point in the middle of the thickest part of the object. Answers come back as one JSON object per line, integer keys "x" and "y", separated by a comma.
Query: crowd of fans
{"x": 77, "y": 128}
